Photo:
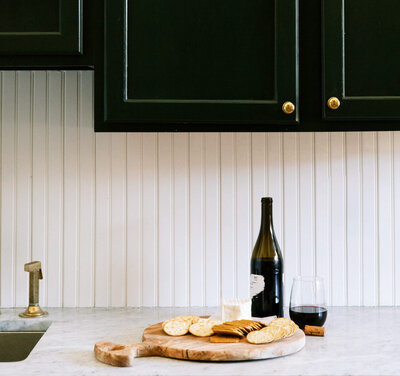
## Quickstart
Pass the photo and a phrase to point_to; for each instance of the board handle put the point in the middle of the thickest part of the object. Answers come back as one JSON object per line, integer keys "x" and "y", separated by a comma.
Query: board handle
{"x": 120, "y": 355}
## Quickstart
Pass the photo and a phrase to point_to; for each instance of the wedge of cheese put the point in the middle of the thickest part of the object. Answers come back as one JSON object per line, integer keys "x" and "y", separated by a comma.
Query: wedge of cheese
{"x": 235, "y": 309}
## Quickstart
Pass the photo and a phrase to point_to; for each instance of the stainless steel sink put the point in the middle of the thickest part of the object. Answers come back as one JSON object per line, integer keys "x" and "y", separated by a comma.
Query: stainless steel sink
{"x": 18, "y": 338}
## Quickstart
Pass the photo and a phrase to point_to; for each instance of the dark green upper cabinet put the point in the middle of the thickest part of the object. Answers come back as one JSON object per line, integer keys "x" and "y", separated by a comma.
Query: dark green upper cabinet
{"x": 361, "y": 59}
{"x": 218, "y": 65}
{"x": 181, "y": 63}
{"x": 41, "y": 27}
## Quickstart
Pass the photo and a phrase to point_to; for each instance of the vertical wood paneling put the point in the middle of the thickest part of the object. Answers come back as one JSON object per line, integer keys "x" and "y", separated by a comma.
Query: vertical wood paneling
{"x": 291, "y": 211}
{"x": 212, "y": 219}
{"x": 196, "y": 226}
{"x": 103, "y": 220}
{"x": 243, "y": 203}
{"x": 338, "y": 219}
{"x": 86, "y": 191}
{"x": 275, "y": 181}
{"x": 171, "y": 219}
{"x": 39, "y": 173}
{"x": 118, "y": 220}
{"x": 181, "y": 220}
{"x": 369, "y": 220}
{"x": 134, "y": 223}
{"x": 55, "y": 235}
{"x": 306, "y": 204}
{"x": 322, "y": 211}
{"x": 71, "y": 189}
{"x": 165, "y": 222}
{"x": 258, "y": 179}
{"x": 8, "y": 192}
{"x": 228, "y": 215}
{"x": 23, "y": 186}
{"x": 385, "y": 226}
{"x": 353, "y": 164}
{"x": 150, "y": 220}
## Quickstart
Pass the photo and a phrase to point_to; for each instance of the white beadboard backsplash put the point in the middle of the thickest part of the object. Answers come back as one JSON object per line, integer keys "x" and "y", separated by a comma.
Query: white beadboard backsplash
{"x": 170, "y": 219}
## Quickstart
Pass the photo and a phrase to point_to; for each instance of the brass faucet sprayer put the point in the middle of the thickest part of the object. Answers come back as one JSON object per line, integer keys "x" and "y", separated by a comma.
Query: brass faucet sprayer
{"x": 35, "y": 273}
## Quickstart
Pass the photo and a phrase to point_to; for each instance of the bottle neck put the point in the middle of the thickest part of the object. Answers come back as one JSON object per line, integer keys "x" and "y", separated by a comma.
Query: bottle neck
{"x": 267, "y": 225}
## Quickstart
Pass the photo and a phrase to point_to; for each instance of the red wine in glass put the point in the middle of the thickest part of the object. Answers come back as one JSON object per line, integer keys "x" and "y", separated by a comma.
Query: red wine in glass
{"x": 307, "y": 301}
{"x": 308, "y": 315}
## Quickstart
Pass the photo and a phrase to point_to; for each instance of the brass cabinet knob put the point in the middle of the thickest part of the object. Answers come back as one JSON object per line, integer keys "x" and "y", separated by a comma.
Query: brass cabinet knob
{"x": 288, "y": 108}
{"x": 333, "y": 103}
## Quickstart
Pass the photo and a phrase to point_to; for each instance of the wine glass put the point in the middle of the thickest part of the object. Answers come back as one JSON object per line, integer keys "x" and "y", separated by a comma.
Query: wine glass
{"x": 307, "y": 301}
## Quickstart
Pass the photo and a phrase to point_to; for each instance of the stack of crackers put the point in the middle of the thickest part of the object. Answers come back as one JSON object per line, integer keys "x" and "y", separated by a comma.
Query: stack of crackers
{"x": 256, "y": 332}
{"x": 239, "y": 328}
{"x": 276, "y": 330}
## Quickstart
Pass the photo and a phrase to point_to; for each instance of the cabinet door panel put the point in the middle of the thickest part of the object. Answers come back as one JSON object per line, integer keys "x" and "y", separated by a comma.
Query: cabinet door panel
{"x": 45, "y": 27}
{"x": 199, "y": 62}
{"x": 361, "y": 58}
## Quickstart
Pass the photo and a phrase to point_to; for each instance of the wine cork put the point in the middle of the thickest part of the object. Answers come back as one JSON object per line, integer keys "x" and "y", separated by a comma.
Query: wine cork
{"x": 310, "y": 330}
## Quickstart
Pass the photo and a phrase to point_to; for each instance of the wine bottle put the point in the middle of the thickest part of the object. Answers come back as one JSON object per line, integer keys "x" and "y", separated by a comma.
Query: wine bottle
{"x": 266, "y": 268}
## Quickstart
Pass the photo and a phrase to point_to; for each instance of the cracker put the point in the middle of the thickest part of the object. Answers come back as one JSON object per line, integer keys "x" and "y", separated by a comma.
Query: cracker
{"x": 163, "y": 324}
{"x": 280, "y": 321}
{"x": 277, "y": 332}
{"x": 190, "y": 319}
{"x": 201, "y": 329}
{"x": 277, "y": 329}
{"x": 227, "y": 331}
{"x": 176, "y": 327}
{"x": 260, "y": 336}
{"x": 287, "y": 330}
{"x": 223, "y": 339}
{"x": 288, "y": 326}
{"x": 196, "y": 319}
{"x": 293, "y": 328}
{"x": 238, "y": 327}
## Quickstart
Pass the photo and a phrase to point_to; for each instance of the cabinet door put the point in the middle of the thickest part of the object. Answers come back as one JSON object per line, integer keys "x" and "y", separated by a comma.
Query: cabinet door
{"x": 170, "y": 65}
{"x": 40, "y": 27}
{"x": 361, "y": 58}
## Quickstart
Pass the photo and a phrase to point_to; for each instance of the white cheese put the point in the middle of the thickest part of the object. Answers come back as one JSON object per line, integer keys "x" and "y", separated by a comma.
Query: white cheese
{"x": 235, "y": 309}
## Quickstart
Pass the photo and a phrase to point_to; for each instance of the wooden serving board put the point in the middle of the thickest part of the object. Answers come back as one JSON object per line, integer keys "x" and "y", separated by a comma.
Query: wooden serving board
{"x": 157, "y": 343}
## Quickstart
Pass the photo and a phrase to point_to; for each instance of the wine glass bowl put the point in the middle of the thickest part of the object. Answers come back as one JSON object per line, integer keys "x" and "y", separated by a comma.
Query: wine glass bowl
{"x": 307, "y": 301}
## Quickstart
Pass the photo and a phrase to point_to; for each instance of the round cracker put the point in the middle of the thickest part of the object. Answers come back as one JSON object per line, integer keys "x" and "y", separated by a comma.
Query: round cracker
{"x": 260, "y": 336}
{"x": 280, "y": 321}
{"x": 277, "y": 332}
{"x": 214, "y": 322}
{"x": 201, "y": 329}
{"x": 163, "y": 324}
{"x": 190, "y": 319}
{"x": 289, "y": 327}
{"x": 293, "y": 328}
{"x": 176, "y": 327}
{"x": 287, "y": 330}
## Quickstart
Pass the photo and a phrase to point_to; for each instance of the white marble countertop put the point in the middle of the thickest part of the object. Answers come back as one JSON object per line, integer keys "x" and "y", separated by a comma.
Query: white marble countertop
{"x": 358, "y": 341}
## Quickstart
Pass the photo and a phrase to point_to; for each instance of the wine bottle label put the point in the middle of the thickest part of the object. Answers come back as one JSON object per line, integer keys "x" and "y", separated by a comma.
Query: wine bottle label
{"x": 257, "y": 284}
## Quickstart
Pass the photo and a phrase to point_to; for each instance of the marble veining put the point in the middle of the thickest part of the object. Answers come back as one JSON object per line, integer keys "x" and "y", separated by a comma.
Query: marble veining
{"x": 22, "y": 325}
{"x": 358, "y": 341}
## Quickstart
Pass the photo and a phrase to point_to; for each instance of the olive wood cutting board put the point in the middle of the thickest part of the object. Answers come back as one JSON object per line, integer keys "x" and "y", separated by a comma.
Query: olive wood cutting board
{"x": 188, "y": 347}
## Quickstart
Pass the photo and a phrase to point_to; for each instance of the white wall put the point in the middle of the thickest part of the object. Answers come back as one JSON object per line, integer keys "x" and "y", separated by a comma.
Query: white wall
{"x": 170, "y": 219}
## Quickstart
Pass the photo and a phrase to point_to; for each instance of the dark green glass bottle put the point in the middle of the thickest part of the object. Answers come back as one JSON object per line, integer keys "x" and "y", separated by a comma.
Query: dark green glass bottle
{"x": 266, "y": 268}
